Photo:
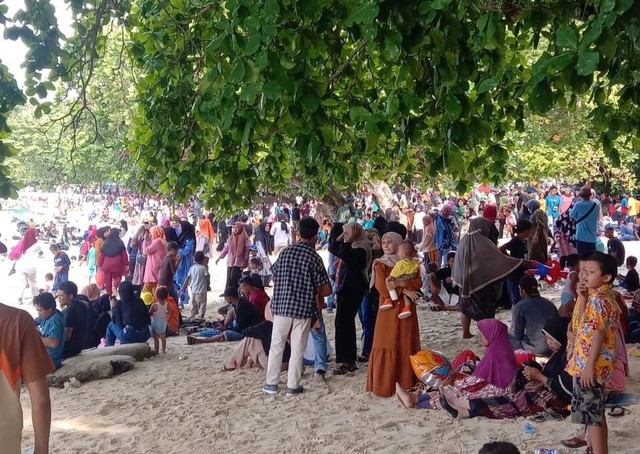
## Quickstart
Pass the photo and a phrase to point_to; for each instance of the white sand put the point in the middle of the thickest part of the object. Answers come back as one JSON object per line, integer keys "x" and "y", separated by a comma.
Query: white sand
{"x": 191, "y": 406}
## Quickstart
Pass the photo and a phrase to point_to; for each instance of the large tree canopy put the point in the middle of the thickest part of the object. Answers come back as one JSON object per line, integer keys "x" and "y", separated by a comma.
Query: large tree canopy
{"x": 235, "y": 95}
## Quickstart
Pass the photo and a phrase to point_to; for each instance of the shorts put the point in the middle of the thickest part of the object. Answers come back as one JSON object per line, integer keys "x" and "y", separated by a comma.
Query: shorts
{"x": 587, "y": 404}
{"x": 158, "y": 325}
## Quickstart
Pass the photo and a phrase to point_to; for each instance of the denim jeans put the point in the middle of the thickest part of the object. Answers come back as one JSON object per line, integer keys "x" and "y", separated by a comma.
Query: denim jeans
{"x": 331, "y": 299}
{"x": 367, "y": 315}
{"x": 231, "y": 335}
{"x": 513, "y": 287}
{"x": 127, "y": 335}
{"x": 320, "y": 346}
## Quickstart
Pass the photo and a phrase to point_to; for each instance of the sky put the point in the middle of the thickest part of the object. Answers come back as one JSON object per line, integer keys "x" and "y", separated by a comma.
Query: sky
{"x": 12, "y": 52}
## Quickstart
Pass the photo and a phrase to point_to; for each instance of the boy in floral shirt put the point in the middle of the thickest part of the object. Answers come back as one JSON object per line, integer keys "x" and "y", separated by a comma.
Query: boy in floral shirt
{"x": 593, "y": 347}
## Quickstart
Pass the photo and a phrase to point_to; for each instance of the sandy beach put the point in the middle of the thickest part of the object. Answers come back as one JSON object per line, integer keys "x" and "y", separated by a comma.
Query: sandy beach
{"x": 185, "y": 403}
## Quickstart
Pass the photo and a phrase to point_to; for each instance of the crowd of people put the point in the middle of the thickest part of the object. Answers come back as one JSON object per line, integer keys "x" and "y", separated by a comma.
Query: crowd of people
{"x": 381, "y": 265}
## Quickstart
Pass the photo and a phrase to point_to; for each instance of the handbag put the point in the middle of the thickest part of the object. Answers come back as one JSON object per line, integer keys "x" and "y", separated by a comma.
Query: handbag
{"x": 141, "y": 259}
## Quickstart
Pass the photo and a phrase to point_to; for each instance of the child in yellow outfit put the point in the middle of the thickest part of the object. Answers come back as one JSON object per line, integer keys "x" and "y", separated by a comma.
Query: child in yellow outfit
{"x": 592, "y": 343}
{"x": 408, "y": 267}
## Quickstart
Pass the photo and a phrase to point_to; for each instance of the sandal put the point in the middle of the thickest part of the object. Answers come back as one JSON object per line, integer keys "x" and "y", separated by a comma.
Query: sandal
{"x": 191, "y": 340}
{"x": 616, "y": 411}
{"x": 574, "y": 442}
{"x": 344, "y": 369}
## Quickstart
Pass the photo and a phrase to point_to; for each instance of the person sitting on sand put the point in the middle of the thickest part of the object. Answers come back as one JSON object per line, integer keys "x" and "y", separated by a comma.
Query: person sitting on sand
{"x": 130, "y": 318}
{"x": 407, "y": 267}
{"x": 493, "y": 376}
{"x": 253, "y": 350}
{"x": 549, "y": 387}
{"x": 241, "y": 315}
{"x": 252, "y": 289}
{"x": 50, "y": 323}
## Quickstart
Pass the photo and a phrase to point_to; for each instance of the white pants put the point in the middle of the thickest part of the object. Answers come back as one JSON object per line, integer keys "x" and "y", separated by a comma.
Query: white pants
{"x": 27, "y": 279}
{"x": 299, "y": 328}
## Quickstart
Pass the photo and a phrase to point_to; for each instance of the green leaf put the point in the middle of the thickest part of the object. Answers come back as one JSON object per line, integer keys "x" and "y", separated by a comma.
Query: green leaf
{"x": 237, "y": 73}
{"x": 587, "y": 62}
{"x": 623, "y": 5}
{"x": 607, "y": 5}
{"x": 592, "y": 34}
{"x": 252, "y": 45}
{"x": 271, "y": 9}
{"x": 453, "y": 107}
{"x": 359, "y": 114}
{"x": 364, "y": 14}
{"x": 567, "y": 37}
{"x": 440, "y": 4}
{"x": 487, "y": 85}
{"x": 541, "y": 98}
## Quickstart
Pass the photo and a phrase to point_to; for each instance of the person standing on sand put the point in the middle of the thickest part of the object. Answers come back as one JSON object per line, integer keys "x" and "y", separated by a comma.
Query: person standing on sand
{"x": 393, "y": 339}
{"x": 300, "y": 285}
{"x": 23, "y": 359}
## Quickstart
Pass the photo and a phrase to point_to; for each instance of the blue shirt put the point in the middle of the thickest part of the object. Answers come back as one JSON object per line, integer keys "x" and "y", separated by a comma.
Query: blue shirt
{"x": 53, "y": 327}
{"x": 587, "y": 230}
{"x": 553, "y": 205}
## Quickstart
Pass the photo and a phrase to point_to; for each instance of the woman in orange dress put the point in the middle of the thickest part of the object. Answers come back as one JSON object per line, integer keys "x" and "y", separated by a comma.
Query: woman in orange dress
{"x": 394, "y": 340}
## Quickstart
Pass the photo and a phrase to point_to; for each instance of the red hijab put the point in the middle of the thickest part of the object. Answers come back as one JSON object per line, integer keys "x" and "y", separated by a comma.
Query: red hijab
{"x": 29, "y": 238}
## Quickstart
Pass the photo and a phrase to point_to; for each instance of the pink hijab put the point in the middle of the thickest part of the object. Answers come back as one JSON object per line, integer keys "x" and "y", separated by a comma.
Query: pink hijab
{"x": 498, "y": 365}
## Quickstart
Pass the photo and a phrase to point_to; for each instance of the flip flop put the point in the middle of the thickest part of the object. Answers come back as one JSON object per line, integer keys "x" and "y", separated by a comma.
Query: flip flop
{"x": 617, "y": 411}
{"x": 574, "y": 443}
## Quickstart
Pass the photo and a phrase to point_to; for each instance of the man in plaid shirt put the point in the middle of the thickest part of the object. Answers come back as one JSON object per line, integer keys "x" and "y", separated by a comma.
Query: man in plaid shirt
{"x": 300, "y": 285}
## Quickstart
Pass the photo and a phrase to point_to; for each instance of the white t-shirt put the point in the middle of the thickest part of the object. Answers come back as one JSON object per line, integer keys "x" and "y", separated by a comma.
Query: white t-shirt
{"x": 417, "y": 220}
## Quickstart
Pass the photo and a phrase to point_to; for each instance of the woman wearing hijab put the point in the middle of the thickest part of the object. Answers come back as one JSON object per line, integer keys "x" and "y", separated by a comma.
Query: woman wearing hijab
{"x": 130, "y": 318}
{"x": 528, "y": 209}
{"x": 494, "y": 375}
{"x": 101, "y": 236}
{"x": 490, "y": 212}
{"x": 137, "y": 243}
{"x": 263, "y": 241}
{"x": 206, "y": 237}
{"x": 353, "y": 248}
{"x": 154, "y": 253}
{"x": 549, "y": 387}
{"x": 236, "y": 250}
{"x": 566, "y": 226}
{"x": 479, "y": 270}
{"x": 187, "y": 243}
{"x": 394, "y": 340}
{"x": 538, "y": 240}
{"x": 445, "y": 237}
{"x": 25, "y": 255}
{"x": 114, "y": 261}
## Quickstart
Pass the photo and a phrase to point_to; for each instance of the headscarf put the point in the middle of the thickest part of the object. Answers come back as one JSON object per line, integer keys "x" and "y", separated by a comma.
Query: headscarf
{"x": 237, "y": 241}
{"x": 261, "y": 233}
{"x": 205, "y": 227}
{"x": 91, "y": 291}
{"x": 478, "y": 261}
{"x": 374, "y": 237}
{"x": 113, "y": 245}
{"x": 566, "y": 225}
{"x": 335, "y": 232}
{"x": 188, "y": 231}
{"x": 130, "y": 310}
{"x": 498, "y": 364}
{"x": 388, "y": 260}
{"x": 556, "y": 328}
{"x": 490, "y": 212}
{"x": 395, "y": 226}
{"x": 158, "y": 232}
{"x": 101, "y": 232}
{"x": 448, "y": 211}
{"x": 529, "y": 208}
{"x": 103, "y": 304}
{"x": 380, "y": 224}
{"x": 29, "y": 238}
{"x": 169, "y": 234}
{"x": 359, "y": 240}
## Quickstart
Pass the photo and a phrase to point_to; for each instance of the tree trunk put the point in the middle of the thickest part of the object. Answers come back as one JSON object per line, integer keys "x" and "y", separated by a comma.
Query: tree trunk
{"x": 382, "y": 193}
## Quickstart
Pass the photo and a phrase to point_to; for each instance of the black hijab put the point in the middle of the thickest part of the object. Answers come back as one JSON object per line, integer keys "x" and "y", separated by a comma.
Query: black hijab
{"x": 130, "y": 310}
{"x": 188, "y": 231}
{"x": 380, "y": 224}
{"x": 170, "y": 234}
{"x": 335, "y": 232}
{"x": 100, "y": 233}
{"x": 395, "y": 226}
{"x": 557, "y": 328}
{"x": 113, "y": 245}
{"x": 261, "y": 232}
